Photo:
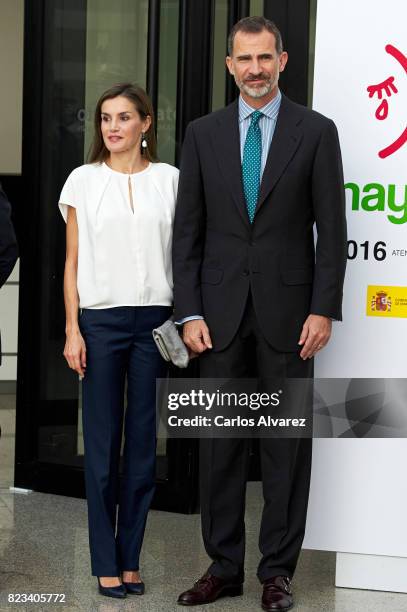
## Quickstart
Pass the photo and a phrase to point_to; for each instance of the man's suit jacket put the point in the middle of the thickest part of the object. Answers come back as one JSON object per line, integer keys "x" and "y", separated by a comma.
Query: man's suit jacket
{"x": 218, "y": 254}
{"x": 8, "y": 242}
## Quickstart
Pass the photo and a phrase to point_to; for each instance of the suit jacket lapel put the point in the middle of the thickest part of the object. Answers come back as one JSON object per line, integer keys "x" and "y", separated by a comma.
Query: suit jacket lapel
{"x": 286, "y": 139}
{"x": 226, "y": 141}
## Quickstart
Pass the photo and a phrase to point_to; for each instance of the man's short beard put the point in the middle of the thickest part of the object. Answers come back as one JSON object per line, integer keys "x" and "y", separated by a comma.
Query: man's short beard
{"x": 256, "y": 92}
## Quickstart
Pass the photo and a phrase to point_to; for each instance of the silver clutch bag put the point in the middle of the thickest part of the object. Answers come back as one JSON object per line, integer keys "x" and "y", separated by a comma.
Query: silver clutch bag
{"x": 170, "y": 344}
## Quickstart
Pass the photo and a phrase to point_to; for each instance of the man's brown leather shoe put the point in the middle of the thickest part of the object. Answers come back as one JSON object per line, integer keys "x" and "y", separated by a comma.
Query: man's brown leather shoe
{"x": 277, "y": 594}
{"x": 209, "y": 588}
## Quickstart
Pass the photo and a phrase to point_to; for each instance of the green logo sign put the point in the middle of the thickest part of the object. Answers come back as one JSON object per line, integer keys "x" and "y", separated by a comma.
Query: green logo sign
{"x": 376, "y": 197}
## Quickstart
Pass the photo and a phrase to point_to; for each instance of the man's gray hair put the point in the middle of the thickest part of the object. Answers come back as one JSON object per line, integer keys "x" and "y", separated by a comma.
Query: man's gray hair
{"x": 255, "y": 25}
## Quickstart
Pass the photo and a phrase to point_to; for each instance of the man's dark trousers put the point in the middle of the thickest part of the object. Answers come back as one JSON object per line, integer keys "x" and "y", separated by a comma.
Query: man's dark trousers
{"x": 285, "y": 466}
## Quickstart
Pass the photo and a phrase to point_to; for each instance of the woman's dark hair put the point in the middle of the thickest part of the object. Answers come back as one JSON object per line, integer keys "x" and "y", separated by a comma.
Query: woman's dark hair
{"x": 136, "y": 94}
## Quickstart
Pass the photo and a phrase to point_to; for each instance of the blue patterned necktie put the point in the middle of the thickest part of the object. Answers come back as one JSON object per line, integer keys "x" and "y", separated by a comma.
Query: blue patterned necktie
{"x": 251, "y": 167}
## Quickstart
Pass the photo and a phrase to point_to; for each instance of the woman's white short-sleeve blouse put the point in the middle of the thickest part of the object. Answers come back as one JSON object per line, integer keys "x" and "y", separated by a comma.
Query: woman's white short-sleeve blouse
{"x": 124, "y": 255}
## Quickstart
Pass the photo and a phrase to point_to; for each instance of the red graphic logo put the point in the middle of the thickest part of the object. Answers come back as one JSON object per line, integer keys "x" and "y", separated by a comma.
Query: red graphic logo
{"x": 389, "y": 88}
{"x": 381, "y": 302}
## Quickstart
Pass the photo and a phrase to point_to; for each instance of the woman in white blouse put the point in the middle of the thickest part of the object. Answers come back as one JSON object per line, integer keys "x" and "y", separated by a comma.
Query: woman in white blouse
{"x": 119, "y": 210}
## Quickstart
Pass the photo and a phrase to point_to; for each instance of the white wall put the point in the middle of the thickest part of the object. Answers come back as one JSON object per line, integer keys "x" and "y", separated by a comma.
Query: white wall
{"x": 11, "y": 103}
{"x": 11, "y": 78}
{"x": 9, "y": 326}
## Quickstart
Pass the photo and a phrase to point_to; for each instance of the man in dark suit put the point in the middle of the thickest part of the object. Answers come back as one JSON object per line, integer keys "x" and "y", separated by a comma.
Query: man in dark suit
{"x": 255, "y": 177}
{"x": 8, "y": 242}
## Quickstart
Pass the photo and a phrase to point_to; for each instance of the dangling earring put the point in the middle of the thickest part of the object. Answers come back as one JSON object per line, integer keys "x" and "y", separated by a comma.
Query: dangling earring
{"x": 143, "y": 141}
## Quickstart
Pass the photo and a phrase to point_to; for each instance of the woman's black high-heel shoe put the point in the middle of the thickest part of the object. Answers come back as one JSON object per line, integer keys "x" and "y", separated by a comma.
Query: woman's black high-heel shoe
{"x": 135, "y": 588}
{"x": 118, "y": 592}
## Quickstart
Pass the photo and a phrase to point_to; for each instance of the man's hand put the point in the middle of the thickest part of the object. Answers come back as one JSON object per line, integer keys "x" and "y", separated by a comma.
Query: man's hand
{"x": 315, "y": 335}
{"x": 196, "y": 336}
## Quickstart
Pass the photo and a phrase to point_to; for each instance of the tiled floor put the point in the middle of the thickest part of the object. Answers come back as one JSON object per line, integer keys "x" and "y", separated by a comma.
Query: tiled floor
{"x": 44, "y": 549}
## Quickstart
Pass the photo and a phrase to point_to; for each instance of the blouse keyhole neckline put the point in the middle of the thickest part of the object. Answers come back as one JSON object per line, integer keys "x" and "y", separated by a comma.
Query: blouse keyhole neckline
{"x": 130, "y": 194}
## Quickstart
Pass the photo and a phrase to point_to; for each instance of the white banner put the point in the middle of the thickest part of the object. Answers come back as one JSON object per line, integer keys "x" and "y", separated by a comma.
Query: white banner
{"x": 360, "y": 81}
{"x": 359, "y": 490}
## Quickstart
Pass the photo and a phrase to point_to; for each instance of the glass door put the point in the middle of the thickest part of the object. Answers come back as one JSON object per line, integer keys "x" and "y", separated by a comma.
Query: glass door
{"x": 74, "y": 51}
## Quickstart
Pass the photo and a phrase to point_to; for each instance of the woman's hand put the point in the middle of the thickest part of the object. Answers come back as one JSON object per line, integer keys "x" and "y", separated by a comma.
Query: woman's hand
{"x": 75, "y": 352}
{"x": 75, "y": 349}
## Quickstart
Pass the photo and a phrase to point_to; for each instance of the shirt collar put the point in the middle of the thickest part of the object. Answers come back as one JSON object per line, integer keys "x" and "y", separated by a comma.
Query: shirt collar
{"x": 270, "y": 109}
